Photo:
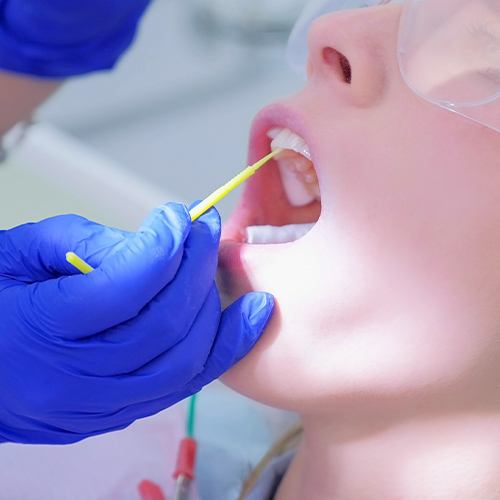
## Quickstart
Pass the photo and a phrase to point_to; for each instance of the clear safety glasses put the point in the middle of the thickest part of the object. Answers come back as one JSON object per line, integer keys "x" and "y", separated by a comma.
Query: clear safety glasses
{"x": 448, "y": 51}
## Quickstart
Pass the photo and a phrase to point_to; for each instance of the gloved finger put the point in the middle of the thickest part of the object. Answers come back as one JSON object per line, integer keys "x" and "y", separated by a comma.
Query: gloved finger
{"x": 210, "y": 349}
{"x": 167, "y": 318}
{"x": 241, "y": 326}
{"x": 116, "y": 291}
{"x": 172, "y": 370}
{"x": 92, "y": 423}
{"x": 37, "y": 251}
{"x": 114, "y": 402}
{"x": 90, "y": 396}
{"x": 167, "y": 374}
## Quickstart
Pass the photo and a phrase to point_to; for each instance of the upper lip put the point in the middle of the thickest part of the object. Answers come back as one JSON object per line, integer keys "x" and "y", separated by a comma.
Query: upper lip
{"x": 274, "y": 116}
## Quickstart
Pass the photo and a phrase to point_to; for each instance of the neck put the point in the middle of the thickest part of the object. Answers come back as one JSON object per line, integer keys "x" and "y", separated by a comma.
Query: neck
{"x": 440, "y": 456}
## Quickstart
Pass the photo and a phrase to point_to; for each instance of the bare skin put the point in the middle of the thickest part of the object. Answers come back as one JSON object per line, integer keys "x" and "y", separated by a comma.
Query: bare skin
{"x": 386, "y": 340}
{"x": 20, "y": 96}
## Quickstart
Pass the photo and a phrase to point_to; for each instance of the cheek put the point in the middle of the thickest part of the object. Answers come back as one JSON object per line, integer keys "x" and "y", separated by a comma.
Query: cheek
{"x": 396, "y": 294}
{"x": 397, "y": 290}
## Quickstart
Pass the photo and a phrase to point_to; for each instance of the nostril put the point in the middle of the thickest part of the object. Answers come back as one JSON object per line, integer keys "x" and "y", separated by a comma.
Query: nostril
{"x": 346, "y": 68}
{"x": 336, "y": 60}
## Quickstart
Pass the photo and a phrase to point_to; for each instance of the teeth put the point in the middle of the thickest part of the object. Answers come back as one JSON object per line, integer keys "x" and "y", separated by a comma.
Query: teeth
{"x": 297, "y": 191}
{"x": 286, "y": 139}
{"x": 276, "y": 234}
{"x": 298, "y": 176}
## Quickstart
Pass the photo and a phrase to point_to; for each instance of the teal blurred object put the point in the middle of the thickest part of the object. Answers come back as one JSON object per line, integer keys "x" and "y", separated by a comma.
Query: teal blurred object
{"x": 191, "y": 416}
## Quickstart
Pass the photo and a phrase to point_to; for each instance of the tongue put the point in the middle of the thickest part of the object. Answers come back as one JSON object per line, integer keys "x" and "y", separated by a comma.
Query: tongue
{"x": 276, "y": 234}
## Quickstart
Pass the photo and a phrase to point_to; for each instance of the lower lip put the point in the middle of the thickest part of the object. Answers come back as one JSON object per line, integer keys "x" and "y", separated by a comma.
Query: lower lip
{"x": 232, "y": 276}
{"x": 230, "y": 254}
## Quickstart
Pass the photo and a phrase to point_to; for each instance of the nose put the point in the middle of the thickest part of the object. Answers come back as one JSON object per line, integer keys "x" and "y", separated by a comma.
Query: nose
{"x": 354, "y": 52}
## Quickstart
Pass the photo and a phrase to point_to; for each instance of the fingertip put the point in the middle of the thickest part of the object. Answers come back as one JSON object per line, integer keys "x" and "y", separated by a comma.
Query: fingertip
{"x": 242, "y": 324}
{"x": 260, "y": 310}
{"x": 255, "y": 309}
{"x": 179, "y": 212}
{"x": 194, "y": 204}
{"x": 171, "y": 220}
{"x": 212, "y": 220}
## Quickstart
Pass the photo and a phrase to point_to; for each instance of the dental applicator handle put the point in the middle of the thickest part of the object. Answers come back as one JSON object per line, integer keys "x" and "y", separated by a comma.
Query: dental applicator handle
{"x": 197, "y": 211}
{"x": 224, "y": 190}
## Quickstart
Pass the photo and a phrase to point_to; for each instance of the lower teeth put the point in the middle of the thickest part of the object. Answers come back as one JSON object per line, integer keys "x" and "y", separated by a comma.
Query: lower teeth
{"x": 276, "y": 234}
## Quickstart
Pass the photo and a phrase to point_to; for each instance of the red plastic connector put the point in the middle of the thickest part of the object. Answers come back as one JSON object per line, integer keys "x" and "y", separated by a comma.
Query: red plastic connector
{"x": 186, "y": 459}
{"x": 150, "y": 491}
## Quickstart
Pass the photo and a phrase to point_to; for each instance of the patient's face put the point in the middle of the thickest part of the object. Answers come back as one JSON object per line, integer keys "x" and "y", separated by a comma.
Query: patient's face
{"x": 395, "y": 292}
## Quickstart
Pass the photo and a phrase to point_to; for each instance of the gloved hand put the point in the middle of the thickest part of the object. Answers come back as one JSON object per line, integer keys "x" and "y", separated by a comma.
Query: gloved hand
{"x": 87, "y": 354}
{"x": 60, "y": 38}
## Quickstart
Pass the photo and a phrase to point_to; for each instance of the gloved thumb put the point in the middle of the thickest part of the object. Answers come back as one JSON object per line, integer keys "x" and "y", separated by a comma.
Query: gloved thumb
{"x": 82, "y": 305}
{"x": 241, "y": 326}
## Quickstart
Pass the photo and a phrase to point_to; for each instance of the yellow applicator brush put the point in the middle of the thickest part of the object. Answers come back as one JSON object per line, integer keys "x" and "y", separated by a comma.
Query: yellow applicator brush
{"x": 199, "y": 209}
{"x": 224, "y": 190}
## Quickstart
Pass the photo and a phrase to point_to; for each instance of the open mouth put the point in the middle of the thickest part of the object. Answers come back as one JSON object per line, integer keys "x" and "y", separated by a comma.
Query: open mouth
{"x": 282, "y": 202}
{"x": 274, "y": 224}
{"x": 300, "y": 187}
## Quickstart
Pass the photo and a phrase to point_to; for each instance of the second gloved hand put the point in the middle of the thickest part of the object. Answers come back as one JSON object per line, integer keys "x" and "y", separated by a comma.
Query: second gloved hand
{"x": 60, "y": 38}
{"x": 86, "y": 354}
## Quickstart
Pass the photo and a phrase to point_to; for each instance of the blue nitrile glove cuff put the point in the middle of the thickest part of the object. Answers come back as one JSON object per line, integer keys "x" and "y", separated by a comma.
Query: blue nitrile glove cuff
{"x": 61, "y": 38}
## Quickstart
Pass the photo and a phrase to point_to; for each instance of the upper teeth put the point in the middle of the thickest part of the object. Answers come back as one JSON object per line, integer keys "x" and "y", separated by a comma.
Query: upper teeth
{"x": 286, "y": 139}
{"x": 298, "y": 176}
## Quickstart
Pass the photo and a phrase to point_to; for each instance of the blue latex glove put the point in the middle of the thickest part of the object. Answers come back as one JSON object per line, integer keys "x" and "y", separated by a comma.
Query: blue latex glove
{"x": 59, "y": 38}
{"x": 86, "y": 354}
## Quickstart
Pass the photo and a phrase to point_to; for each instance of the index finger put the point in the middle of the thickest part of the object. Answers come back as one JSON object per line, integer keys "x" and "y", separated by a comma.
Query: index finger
{"x": 82, "y": 305}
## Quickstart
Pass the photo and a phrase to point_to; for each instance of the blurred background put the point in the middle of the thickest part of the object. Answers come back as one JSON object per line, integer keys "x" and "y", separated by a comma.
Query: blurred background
{"x": 180, "y": 104}
{"x": 171, "y": 122}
